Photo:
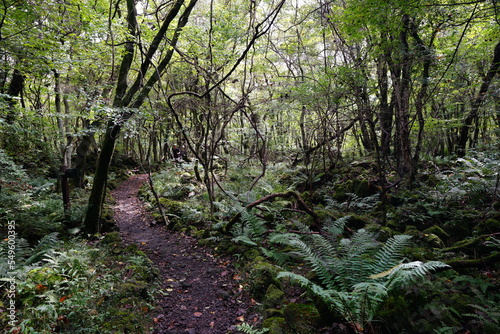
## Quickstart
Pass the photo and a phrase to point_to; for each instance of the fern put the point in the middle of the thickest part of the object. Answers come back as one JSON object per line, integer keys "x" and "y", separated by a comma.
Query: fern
{"x": 391, "y": 253}
{"x": 355, "y": 275}
{"x": 248, "y": 329}
{"x": 249, "y": 230}
{"x": 46, "y": 245}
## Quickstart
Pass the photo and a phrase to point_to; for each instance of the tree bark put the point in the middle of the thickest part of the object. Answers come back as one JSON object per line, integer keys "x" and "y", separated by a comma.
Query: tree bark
{"x": 124, "y": 99}
{"x": 478, "y": 101}
{"x": 15, "y": 89}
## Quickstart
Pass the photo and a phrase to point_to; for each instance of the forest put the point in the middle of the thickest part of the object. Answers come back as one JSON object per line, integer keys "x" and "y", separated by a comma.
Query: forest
{"x": 343, "y": 155}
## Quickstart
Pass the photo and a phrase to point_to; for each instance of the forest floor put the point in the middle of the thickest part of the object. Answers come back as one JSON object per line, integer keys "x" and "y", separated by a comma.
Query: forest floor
{"x": 200, "y": 290}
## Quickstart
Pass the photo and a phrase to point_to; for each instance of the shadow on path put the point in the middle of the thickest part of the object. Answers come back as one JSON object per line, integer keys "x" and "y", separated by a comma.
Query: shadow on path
{"x": 199, "y": 291}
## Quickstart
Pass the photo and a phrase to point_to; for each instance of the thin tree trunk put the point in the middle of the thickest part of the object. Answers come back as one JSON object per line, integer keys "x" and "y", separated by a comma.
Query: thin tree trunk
{"x": 476, "y": 104}
{"x": 124, "y": 98}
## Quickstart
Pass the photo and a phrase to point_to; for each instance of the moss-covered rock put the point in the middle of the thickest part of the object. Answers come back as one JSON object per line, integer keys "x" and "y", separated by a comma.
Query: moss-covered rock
{"x": 273, "y": 297}
{"x": 272, "y": 312}
{"x": 412, "y": 230}
{"x": 171, "y": 206}
{"x": 385, "y": 233}
{"x": 274, "y": 324}
{"x": 433, "y": 240}
{"x": 435, "y": 229}
{"x": 488, "y": 226}
{"x": 131, "y": 288}
{"x": 146, "y": 273}
{"x": 261, "y": 276}
{"x": 356, "y": 222}
{"x": 301, "y": 318}
{"x": 251, "y": 254}
{"x": 111, "y": 238}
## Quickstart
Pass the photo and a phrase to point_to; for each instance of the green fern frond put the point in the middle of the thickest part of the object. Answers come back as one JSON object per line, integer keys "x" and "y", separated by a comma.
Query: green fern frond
{"x": 391, "y": 253}
{"x": 334, "y": 229}
{"x": 47, "y": 244}
{"x": 408, "y": 273}
{"x": 244, "y": 239}
{"x": 22, "y": 249}
{"x": 252, "y": 225}
{"x": 324, "y": 266}
{"x": 281, "y": 258}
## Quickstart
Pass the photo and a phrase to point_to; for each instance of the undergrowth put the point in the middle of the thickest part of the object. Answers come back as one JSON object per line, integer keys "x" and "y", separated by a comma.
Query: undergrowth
{"x": 77, "y": 287}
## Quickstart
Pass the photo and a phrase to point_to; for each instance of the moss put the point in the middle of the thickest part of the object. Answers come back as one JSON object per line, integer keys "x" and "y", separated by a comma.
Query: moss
{"x": 301, "y": 318}
{"x": 385, "y": 233}
{"x": 132, "y": 248}
{"x": 438, "y": 231}
{"x": 273, "y": 297}
{"x": 261, "y": 276}
{"x": 200, "y": 234}
{"x": 178, "y": 226}
{"x": 205, "y": 242}
{"x": 323, "y": 214}
{"x": 412, "y": 230}
{"x": 433, "y": 240}
{"x": 112, "y": 237}
{"x": 251, "y": 254}
{"x": 192, "y": 230}
{"x": 361, "y": 188}
{"x": 171, "y": 206}
{"x": 272, "y": 312}
{"x": 131, "y": 288}
{"x": 274, "y": 324}
{"x": 142, "y": 273}
{"x": 487, "y": 227}
{"x": 356, "y": 222}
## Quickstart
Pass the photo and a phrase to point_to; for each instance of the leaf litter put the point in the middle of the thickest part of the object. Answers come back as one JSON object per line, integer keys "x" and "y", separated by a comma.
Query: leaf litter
{"x": 200, "y": 292}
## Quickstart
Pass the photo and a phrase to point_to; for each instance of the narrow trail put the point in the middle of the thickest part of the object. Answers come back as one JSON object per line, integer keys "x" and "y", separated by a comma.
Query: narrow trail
{"x": 200, "y": 294}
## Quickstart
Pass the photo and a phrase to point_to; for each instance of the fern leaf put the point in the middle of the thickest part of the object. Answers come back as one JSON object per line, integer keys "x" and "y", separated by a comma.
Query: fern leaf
{"x": 244, "y": 239}
{"x": 47, "y": 244}
{"x": 391, "y": 253}
{"x": 408, "y": 273}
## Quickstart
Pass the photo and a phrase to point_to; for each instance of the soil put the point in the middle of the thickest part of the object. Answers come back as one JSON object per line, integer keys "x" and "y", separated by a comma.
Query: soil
{"x": 200, "y": 290}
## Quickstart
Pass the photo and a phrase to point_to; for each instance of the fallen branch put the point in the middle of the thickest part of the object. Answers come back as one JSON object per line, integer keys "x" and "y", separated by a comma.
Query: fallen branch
{"x": 270, "y": 197}
{"x": 476, "y": 263}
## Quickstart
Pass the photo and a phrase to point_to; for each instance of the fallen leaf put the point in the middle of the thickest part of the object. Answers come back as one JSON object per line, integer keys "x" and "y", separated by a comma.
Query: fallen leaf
{"x": 197, "y": 314}
{"x": 241, "y": 318}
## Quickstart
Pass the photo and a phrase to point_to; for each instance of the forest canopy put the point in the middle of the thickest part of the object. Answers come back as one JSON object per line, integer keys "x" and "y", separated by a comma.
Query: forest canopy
{"x": 319, "y": 106}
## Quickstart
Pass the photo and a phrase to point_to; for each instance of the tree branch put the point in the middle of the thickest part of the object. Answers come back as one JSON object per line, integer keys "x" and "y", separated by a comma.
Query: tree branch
{"x": 271, "y": 197}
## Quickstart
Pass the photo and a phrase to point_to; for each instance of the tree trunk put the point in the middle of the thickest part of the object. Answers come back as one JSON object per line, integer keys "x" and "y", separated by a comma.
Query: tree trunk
{"x": 124, "y": 97}
{"x": 386, "y": 112}
{"x": 98, "y": 193}
{"x": 15, "y": 90}
{"x": 476, "y": 104}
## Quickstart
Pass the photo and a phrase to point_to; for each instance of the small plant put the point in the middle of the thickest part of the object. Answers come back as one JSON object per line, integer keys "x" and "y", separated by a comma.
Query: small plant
{"x": 249, "y": 329}
{"x": 250, "y": 230}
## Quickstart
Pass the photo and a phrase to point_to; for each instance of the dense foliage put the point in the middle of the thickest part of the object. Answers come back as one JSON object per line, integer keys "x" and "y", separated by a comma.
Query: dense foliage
{"x": 312, "y": 136}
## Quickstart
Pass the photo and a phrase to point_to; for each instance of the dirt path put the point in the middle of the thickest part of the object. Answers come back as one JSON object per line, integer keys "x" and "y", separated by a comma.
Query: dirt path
{"x": 201, "y": 292}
